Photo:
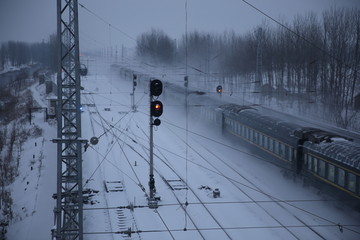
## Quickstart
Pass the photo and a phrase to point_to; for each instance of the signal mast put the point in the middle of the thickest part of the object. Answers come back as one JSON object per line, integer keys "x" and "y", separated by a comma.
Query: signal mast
{"x": 156, "y": 109}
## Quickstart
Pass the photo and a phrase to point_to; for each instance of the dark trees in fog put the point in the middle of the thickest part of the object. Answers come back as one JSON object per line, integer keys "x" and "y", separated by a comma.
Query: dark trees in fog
{"x": 18, "y": 53}
{"x": 157, "y": 45}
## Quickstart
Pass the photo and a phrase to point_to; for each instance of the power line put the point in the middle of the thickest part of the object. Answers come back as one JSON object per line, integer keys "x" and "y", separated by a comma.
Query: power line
{"x": 105, "y": 21}
{"x": 298, "y": 35}
{"x": 226, "y": 228}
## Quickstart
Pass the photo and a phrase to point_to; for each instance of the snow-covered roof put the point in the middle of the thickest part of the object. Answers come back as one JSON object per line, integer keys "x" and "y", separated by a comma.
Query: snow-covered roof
{"x": 341, "y": 150}
{"x": 235, "y": 108}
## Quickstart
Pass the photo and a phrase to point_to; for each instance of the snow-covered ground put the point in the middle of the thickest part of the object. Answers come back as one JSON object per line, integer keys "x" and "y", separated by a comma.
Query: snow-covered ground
{"x": 256, "y": 201}
{"x": 33, "y": 188}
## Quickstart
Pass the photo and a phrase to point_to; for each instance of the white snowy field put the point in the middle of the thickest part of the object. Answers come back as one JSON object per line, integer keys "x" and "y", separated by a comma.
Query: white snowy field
{"x": 256, "y": 201}
{"x": 34, "y": 186}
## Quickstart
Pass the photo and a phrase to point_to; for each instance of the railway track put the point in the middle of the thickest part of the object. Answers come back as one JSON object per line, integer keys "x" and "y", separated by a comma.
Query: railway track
{"x": 178, "y": 198}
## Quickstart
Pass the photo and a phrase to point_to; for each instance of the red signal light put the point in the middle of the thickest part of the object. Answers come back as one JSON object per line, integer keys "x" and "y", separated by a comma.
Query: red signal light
{"x": 156, "y": 108}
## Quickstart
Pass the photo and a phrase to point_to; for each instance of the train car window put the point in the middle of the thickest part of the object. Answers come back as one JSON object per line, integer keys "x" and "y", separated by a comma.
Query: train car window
{"x": 276, "y": 147}
{"x": 309, "y": 161}
{"x": 351, "y": 182}
{"x": 331, "y": 172}
{"x": 263, "y": 139}
{"x": 315, "y": 165}
{"x": 260, "y": 139}
{"x": 290, "y": 154}
{"x": 265, "y": 142}
{"x": 341, "y": 177}
{"x": 251, "y": 133}
{"x": 256, "y": 137}
{"x": 271, "y": 145}
{"x": 286, "y": 154}
{"x": 321, "y": 168}
{"x": 282, "y": 150}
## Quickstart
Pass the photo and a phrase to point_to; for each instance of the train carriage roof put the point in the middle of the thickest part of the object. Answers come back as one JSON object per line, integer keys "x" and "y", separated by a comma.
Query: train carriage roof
{"x": 341, "y": 150}
{"x": 271, "y": 126}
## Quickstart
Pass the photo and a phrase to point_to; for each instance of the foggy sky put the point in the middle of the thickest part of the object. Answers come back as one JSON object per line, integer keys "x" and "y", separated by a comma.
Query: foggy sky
{"x": 35, "y": 20}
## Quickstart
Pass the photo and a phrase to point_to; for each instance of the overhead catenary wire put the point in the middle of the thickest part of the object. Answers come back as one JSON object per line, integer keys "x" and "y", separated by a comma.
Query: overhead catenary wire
{"x": 298, "y": 35}
{"x": 102, "y": 161}
{"x": 144, "y": 158}
{"x": 216, "y": 229}
{"x": 117, "y": 138}
{"x": 219, "y": 203}
{"x": 133, "y": 170}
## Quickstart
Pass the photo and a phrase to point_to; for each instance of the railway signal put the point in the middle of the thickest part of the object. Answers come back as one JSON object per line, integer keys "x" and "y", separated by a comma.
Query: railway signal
{"x": 219, "y": 89}
{"x": 155, "y": 87}
{"x": 156, "y": 109}
{"x": 134, "y": 80}
{"x": 133, "y": 107}
{"x": 186, "y": 81}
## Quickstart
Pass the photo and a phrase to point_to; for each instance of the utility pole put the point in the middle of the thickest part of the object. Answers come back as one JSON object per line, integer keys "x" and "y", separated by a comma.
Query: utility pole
{"x": 258, "y": 75}
{"x": 69, "y": 199}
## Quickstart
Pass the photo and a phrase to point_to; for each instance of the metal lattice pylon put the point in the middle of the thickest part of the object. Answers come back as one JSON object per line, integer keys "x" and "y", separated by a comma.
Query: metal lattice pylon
{"x": 69, "y": 205}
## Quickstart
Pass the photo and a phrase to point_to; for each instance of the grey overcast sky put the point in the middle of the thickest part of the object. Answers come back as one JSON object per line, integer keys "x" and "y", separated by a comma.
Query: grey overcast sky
{"x": 35, "y": 20}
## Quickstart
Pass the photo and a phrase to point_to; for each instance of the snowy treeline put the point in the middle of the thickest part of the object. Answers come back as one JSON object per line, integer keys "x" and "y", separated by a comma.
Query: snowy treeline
{"x": 156, "y": 44}
{"x": 314, "y": 57}
{"x": 16, "y": 53}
